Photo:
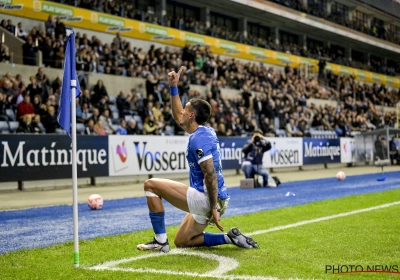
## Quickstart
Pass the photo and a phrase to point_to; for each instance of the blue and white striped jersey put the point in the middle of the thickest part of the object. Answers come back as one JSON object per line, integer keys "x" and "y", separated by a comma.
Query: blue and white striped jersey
{"x": 204, "y": 144}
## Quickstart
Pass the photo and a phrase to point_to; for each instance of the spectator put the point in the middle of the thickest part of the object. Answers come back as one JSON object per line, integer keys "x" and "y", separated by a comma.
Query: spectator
{"x": 50, "y": 122}
{"x": 35, "y": 88}
{"x": 380, "y": 149}
{"x": 266, "y": 127}
{"x": 221, "y": 130}
{"x": 102, "y": 105}
{"x": 149, "y": 110}
{"x": 95, "y": 116}
{"x": 121, "y": 103}
{"x": 56, "y": 85}
{"x": 151, "y": 83}
{"x": 52, "y": 101}
{"x": 98, "y": 128}
{"x": 317, "y": 122}
{"x": 25, "y": 125}
{"x": 117, "y": 42}
{"x": 3, "y": 108}
{"x": 157, "y": 110}
{"x": 84, "y": 99}
{"x": 4, "y": 53}
{"x": 235, "y": 127}
{"x": 21, "y": 32}
{"x": 79, "y": 113}
{"x": 29, "y": 51}
{"x": 99, "y": 90}
{"x": 3, "y": 23}
{"x": 38, "y": 107}
{"x": 107, "y": 122}
{"x": 25, "y": 107}
{"x": 6, "y": 88}
{"x": 292, "y": 130}
{"x": 48, "y": 52}
{"x": 10, "y": 27}
{"x": 43, "y": 79}
{"x": 85, "y": 112}
{"x": 258, "y": 104}
{"x": 132, "y": 128}
{"x": 150, "y": 126}
{"x": 59, "y": 28}
{"x": 59, "y": 57}
{"x": 393, "y": 151}
{"x": 305, "y": 128}
{"x": 89, "y": 129}
{"x": 49, "y": 26}
{"x": 121, "y": 130}
{"x": 36, "y": 125}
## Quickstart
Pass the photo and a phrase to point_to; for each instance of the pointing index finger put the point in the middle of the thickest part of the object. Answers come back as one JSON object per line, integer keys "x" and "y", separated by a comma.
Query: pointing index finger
{"x": 180, "y": 70}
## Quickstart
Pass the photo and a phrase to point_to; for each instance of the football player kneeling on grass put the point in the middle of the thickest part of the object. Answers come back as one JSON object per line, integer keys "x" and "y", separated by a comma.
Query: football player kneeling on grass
{"x": 206, "y": 199}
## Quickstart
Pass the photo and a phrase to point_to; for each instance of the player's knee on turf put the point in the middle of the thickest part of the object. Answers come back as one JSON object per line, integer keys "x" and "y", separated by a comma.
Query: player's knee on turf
{"x": 179, "y": 243}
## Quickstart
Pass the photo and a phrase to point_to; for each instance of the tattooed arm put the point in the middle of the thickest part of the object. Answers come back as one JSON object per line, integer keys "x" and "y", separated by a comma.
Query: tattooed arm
{"x": 210, "y": 179}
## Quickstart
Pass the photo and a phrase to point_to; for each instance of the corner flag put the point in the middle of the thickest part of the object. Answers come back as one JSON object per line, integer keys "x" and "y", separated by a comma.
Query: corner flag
{"x": 67, "y": 117}
{"x": 70, "y": 81}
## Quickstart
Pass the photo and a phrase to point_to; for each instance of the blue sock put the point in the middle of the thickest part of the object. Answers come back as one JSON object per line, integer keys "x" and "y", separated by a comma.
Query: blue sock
{"x": 158, "y": 222}
{"x": 214, "y": 239}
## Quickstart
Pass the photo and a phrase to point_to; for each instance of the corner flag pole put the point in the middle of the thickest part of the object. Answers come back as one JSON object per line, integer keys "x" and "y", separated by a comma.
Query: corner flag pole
{"x": 67, "y": 119}
{"x": 74, "y": 174}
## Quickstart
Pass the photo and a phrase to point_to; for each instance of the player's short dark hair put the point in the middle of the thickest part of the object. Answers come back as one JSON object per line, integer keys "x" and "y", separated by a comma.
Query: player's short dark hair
{"x": 202, "y": 110}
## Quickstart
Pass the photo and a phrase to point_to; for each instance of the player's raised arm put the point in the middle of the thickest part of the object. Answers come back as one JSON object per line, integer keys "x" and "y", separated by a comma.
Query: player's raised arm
{"x": 176, "y": 105}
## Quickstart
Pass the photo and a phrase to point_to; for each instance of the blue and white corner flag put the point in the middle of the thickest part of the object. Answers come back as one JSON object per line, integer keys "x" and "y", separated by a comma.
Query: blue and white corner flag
{"x": 70, "y": 80}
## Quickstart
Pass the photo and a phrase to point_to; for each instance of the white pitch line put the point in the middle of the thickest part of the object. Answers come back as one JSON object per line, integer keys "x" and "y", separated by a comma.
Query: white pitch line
{"x": 225, "y": 264}
{"x": 324, "y": 218}
{"x": 192, "y": 274}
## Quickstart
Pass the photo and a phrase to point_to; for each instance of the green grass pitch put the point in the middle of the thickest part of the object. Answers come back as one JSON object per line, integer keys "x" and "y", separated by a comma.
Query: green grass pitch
{"x": 370, "y": 238}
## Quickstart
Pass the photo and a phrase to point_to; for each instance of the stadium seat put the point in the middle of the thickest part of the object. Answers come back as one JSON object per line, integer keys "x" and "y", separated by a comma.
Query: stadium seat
{"x": 281, "y": 132}
{"x": 13, "y": 126}
{"x": 112, "y": 99}
{"x": 114, "y": 108}
{"x": 138, "y": 119}
{"x": 42, "y": 127}
{"x": 115, "y": 115}
{"x": 276, "y": 122}
{"x": 128, "y": 118}
{"x": 10, "y": 113}
{"x": 3, "y": 127}
{"x": 60, "y": 131}
{"x": 170, "y": 130}
{"x": 80, "y": 128}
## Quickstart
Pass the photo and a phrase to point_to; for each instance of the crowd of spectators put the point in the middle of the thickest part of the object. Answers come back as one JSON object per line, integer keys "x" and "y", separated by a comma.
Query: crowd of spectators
{"x": 123, "y": 9}
{"x": 279, "y": 103}
{"x": 270, "y": 100}
{"x": 318, "y": 9}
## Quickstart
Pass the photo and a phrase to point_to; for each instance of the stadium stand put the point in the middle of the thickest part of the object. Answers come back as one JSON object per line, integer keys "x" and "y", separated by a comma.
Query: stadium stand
{"x": 262, "y": 92}
{"x": 261, "y": 35}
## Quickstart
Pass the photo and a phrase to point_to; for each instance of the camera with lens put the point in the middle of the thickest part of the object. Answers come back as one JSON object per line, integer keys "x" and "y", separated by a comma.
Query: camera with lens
{"x": 257, "y": 141}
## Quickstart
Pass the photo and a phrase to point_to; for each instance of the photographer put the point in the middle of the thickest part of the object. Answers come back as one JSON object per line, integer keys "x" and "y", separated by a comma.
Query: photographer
{"x": 253, "y": 156}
